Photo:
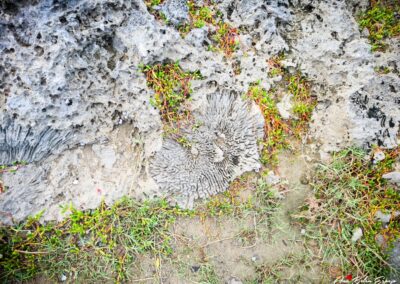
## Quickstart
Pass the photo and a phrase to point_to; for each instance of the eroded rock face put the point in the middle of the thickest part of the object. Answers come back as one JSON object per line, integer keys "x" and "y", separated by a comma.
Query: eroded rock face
{"x": 75, "y": 106}
{"x": 67, "y": 76}
{"x": 377, "y": 112}
{"x": 222, "y": 146}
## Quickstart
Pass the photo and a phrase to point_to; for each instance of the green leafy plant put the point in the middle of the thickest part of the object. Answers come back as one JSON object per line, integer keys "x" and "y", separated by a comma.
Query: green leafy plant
{"x": 172, "y": 89}
{"x": 278, "y": 130}
{"x": 382, "y": 22}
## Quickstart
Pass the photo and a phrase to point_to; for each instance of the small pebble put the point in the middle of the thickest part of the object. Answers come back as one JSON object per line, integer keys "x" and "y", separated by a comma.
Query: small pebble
{"x": 379, "y": 156}
{"x": 195, "y": 268}
{"x": 357, "y": 234}
{"x": 63, "y": 278}
{"x": 234, "y": 280}
{"x": 254, "y": 258}
{"x": 393, "y": 177}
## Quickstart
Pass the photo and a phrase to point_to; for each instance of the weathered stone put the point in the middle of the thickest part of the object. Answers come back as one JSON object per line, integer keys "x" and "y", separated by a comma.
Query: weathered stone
{"x": 176, "y": 11}
{"x": 394, "y": 261}
{"x": 392, "y": 177}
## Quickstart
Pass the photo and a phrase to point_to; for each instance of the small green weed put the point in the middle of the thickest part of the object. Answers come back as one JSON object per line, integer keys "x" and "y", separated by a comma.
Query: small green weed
{"x": 303, "y": 102}
{"x": 275, "y": 128}
{"x": 382, "y": 69}
{"x": 382, "y": 21}
{"x": 184, "y": 142}
{"x": 208, "y": 275}
{"x": 172, "y": 89}
{"x": 13, "y": 167}
{"x": 225, "y": 38}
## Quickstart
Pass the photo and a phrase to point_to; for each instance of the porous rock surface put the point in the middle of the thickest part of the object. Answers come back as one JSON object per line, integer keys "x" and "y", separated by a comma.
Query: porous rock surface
{"x": 75, "y": 106}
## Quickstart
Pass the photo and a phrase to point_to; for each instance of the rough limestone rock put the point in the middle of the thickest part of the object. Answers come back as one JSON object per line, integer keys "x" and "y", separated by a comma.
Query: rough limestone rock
{"x": 376, "y": 112}
{"x": 176, "y": 11}
{"x": 394, "y": 261}
{"x": 75, "y": 106}
{"x": 221, "y": 148}
{"x": 393, "y": 177}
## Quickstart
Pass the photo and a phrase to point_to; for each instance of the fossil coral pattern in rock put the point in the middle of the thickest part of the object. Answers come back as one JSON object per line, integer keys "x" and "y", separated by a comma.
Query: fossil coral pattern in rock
{"x": 19, "y": 143}
{"x": 223, "y": 147}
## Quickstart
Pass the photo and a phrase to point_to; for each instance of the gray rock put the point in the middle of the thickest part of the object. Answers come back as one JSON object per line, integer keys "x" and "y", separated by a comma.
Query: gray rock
{"x": 234, "y": 280}
{"x": 357, "y": 234}
{"x": 378, "y": 156}
{"x": 272, "y": 179}
{"x": 176, "y": 11}
{"x": 385, "y": 218}
{"x": 198, "y": 37}
{"x": 376, "y": 113}
{"x": 285, "y": 106}
{"x": 357, "y": 106}
{"x": 393, "y": 177}
{"x": 394, "y": 261}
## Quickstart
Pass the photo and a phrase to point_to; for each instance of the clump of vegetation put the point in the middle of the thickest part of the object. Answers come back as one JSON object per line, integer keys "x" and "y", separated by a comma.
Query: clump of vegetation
{"x": 200, "y": 16}
{"x": 303, "y": 102}
{"x": 382, "y": 21}
{"x": 224, "y": 38}
{"x": 280, "y": 272}
{"x": 348, "y": 193}
{"x": 172, "y": 89}
{"x": 275, "y": 128}
{"x": 298, "y": 86}
{"x": 278, "y": 130}
{"x": 382, "y": 70}
{"x": 96, "y": 244}
{"x": 101, "y": 244}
